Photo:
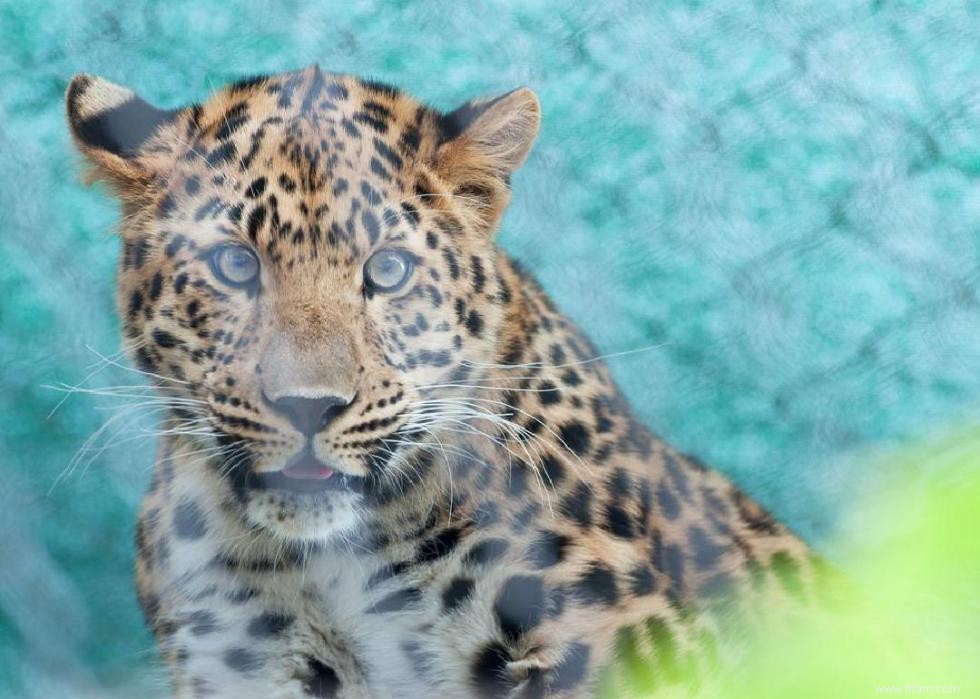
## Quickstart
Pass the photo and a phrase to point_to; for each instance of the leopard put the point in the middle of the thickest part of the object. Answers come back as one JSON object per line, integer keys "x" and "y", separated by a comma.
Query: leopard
{"x": 388, "y": 464}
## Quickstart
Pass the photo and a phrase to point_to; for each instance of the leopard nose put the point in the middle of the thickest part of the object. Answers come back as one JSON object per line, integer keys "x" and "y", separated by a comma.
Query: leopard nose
{"x": 310, "y": 415}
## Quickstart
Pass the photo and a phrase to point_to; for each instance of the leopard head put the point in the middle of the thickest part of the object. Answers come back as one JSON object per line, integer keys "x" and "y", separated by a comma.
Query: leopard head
{"x": 306, "y": 259}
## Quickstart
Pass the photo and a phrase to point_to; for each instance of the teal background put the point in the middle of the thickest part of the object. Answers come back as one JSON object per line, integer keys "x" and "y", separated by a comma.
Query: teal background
{"x": 780, "y": 198}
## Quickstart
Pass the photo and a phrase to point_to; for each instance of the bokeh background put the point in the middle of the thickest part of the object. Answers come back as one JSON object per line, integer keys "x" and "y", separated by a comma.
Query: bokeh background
{"x": 777, "y": 202}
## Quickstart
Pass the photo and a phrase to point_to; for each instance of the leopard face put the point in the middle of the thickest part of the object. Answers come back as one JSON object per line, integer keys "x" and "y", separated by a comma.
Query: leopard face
{"x": 307, "y": 261}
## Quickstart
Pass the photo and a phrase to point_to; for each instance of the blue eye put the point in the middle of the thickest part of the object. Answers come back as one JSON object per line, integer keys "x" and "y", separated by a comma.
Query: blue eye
{"x": 387, "y": 270}
{"x": 234, "y": 265}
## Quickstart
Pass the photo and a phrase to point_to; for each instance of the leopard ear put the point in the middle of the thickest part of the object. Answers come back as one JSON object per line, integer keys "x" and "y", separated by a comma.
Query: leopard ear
{"x": 482, "y": 143}
{"x": 499, "y": 131}
{"x": 111, "y": 126}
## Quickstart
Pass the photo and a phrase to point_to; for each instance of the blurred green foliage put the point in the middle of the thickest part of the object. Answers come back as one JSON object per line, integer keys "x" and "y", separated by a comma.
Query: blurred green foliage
{"x": 907, "y": 621}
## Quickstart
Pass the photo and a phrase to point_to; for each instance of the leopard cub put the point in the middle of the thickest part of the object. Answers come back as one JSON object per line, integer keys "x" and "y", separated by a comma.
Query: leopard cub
{"x": 390, "y": 465}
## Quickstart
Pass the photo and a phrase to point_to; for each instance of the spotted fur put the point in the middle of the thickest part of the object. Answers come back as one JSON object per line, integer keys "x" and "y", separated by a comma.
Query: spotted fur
{"x": 497, "y": 523}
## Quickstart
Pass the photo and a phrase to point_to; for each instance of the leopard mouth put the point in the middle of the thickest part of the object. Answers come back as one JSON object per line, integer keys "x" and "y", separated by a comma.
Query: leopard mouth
{"x": 306, "y": 474}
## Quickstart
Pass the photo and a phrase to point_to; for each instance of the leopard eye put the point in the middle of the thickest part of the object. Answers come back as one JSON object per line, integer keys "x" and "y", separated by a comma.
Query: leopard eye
{"x": 234, "y": 265}
{"x": 387, "y": 270}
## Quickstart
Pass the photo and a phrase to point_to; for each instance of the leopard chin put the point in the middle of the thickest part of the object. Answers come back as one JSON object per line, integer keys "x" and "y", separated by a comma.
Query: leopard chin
{"x": 305, "y": 500}
{"x": 304, "y": 516}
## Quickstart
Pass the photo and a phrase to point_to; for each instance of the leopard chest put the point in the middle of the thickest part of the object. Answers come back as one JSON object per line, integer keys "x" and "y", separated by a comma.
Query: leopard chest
{"x": 386, "y": 628}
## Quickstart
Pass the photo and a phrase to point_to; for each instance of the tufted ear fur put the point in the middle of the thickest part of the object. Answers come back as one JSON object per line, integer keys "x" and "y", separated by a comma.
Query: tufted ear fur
{"x": 112, "y": 126}
{"x": 482, "y": 143}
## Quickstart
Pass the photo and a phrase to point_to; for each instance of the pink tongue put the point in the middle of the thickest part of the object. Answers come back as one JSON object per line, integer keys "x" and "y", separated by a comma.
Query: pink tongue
{"x": 307, "y": 470}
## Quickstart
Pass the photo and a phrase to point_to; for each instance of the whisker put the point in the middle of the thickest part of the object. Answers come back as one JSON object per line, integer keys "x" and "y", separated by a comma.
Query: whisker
{"x": 140, "y": 372}
{"x": 542, "y": 365}
{"x": 515, "y": 430}
{"x": 535, "y": 419}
